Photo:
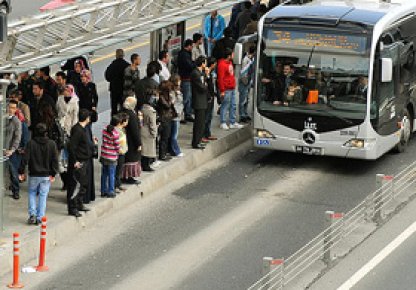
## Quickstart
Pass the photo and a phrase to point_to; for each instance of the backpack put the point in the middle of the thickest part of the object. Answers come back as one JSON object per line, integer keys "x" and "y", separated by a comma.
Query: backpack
{"x": 58, "y": 135}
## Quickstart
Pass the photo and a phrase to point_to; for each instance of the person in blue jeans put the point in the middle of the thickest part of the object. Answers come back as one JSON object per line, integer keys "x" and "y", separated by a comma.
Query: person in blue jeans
{"x": 214, "y": 25}
{"x": 185, "y": 66}
{"x": 244, "y": 84}
{"x": 13, "y": 135}
{"x": 110, "y": 149}
{"x": 41, "y": 157}
{"x": 177, "y": 99}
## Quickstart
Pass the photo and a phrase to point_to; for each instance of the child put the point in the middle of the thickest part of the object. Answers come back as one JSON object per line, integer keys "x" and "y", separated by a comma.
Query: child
{"x": 109, "y": 154}
{"x": 124, "y": 120}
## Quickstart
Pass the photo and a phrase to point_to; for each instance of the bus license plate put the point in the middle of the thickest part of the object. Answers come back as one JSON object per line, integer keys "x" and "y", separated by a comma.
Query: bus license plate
{"x": 308, "y": 150}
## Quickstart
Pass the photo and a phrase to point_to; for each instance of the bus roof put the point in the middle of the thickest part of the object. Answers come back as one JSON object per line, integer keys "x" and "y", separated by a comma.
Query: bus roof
{"x": 363, "y": 11}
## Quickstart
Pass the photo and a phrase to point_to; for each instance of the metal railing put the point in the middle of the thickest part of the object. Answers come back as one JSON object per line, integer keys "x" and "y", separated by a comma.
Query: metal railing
{"x": 373, "y": 210}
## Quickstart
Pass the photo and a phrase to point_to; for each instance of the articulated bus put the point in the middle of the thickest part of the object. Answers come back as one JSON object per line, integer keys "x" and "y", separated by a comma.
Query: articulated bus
{"x": 336, "y": 78}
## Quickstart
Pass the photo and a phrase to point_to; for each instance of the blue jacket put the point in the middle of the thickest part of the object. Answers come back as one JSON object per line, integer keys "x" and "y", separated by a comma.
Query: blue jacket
{"x": 218, "y": 29}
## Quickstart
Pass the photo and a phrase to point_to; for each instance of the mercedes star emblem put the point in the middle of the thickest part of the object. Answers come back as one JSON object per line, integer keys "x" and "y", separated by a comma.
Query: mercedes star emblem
{"x": 308, "y": 137}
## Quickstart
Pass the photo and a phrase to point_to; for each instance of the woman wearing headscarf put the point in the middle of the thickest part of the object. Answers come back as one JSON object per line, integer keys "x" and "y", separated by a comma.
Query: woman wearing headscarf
{"x": 87, "y": 94}
{"x": 67, "y": 108}
{"x": 132, "y": 167}
{"x": 74, "y": 76}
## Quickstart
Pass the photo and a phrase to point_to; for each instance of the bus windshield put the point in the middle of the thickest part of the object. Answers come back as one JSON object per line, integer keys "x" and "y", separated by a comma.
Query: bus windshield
{"x": 310, "y": 69}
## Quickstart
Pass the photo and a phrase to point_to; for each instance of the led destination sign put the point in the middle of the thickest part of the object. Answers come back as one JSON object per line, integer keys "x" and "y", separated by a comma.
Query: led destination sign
{"x": 319, "y": 40}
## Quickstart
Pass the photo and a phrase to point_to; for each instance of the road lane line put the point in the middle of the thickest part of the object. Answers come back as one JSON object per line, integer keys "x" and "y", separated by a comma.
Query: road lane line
{"x": 354, "y": 279}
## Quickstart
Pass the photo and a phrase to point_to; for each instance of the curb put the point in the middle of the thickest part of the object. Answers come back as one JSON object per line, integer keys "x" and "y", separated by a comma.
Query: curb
{"x": 65, "y": 227}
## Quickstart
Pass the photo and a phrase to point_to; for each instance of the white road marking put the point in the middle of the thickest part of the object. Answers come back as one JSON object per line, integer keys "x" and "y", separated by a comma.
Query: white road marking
{"x": 378, "y": 258}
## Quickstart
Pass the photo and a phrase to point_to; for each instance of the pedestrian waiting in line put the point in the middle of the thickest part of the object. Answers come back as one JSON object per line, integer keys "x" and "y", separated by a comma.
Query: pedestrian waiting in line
{"x": 121, "y": 129}
{"x": 177, "y": 100}
{"x": 81, "y": 151}
{"x": 109, "y": 155}
{"x": 212, "y": 93}
{"x": 41, "y": 157}
{"x": 226, "y": 85}
{"x": 185, "y": 67}
{"x": 244, "y": 84}
{"x": 149, "y": 130}
{"x": 132, "y": 167}
{"x": 199, "y": 101}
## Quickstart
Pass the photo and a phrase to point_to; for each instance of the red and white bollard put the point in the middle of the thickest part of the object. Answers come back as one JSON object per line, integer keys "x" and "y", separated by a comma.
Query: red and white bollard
{"x": 16, "y": 266}
{"x": 42, "y": 267}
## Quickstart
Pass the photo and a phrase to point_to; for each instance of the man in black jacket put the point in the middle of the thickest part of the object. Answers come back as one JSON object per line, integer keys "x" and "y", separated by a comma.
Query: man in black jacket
{"x": 145, "y": 84}
{"x": 80, "y": 151}
{"x": 41, "y": 156}
{"x": 199, "y": 101}
{"x": 41, "y": 100}
{"x": 114, "y": 74}
{"x": 185, "y": 67}
{"x": 226, "y": 42}
{"x": 243, "y": 18}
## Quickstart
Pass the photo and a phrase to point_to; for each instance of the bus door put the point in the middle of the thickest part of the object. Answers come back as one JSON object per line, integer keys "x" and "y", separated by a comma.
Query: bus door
{"x": 388, "y": 93}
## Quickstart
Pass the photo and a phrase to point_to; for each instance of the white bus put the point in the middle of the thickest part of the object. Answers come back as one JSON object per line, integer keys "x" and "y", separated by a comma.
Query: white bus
{"x": 336, "y": 78}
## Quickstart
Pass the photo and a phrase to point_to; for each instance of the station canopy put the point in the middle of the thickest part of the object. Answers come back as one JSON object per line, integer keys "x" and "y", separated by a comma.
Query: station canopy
{"x": 80, "y": 29}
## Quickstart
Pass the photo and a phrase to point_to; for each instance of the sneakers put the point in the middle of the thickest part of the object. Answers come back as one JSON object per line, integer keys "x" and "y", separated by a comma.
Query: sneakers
{"x": 224, "y": 126}
{"x": 236, "y": 126}
{"x": 180, "y": 155}
{"x": 32, "y": 220}
{"x": 157, "y": 163}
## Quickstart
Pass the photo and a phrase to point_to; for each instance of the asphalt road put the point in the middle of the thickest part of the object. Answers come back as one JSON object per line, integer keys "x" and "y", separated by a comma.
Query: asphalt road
{"x": 395, "y": 272}
{"x": 213, "y": 232}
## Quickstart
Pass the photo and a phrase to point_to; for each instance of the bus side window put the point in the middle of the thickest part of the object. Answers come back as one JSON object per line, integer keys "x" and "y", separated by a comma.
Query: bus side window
{"x": 388, "y": 91}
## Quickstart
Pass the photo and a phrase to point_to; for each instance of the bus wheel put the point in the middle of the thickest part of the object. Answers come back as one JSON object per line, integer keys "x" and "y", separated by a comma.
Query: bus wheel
{"x": 405, "y": 132}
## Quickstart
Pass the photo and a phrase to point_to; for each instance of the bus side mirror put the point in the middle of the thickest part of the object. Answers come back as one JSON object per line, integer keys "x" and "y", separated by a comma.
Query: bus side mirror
{"x": 386, "y": 70}
{"x": 238, "y": 53}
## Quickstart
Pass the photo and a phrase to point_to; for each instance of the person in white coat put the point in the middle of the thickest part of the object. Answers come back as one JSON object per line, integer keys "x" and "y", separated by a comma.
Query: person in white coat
{"x": 67, "y": 107}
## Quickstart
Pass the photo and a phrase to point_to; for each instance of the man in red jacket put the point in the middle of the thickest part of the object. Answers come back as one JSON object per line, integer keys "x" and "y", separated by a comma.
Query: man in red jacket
{"x": 226, "y": 86}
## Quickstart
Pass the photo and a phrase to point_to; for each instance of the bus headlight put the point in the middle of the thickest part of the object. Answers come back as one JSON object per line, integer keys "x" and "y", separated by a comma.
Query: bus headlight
{"x": 264, "y": 134}
{"x": 359, "y": 143}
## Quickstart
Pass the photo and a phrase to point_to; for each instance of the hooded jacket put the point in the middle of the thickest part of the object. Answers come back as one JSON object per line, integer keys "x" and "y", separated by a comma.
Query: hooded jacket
{"x": 41, "y": 156}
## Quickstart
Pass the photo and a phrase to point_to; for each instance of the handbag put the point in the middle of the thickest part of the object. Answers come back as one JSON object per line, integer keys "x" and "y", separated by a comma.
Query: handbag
{"x": 94, "y": 116}
{"x": 95, "y": 151}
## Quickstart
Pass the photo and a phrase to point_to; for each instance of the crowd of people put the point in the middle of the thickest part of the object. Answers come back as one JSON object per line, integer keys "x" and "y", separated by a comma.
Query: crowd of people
{"x": 49, "y": 128}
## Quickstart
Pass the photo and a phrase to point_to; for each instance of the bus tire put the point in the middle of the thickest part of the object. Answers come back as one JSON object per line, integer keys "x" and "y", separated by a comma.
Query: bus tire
{"x": 405, "y": 132}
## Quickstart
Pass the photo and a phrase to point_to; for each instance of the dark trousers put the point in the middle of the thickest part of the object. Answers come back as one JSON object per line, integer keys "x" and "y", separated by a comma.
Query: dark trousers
{"x": 14, "y": 164}
{"x": 146, "y": 163}
{"x": 78, "y": 187}
{"x": 116, "y": 103}
{"x": 165, "y": 130}
{"x": 199, "y": 126}
{"x": 208, "y": 119}
{"x": 119, "y": 169}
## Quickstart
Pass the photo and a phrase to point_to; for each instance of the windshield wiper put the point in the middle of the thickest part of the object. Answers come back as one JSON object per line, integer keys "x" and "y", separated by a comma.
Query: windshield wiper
{"x": 310, "y": 55}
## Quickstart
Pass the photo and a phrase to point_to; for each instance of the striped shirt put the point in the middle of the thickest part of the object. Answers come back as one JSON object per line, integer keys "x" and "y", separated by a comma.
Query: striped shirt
{"x": 111, "y": 145}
